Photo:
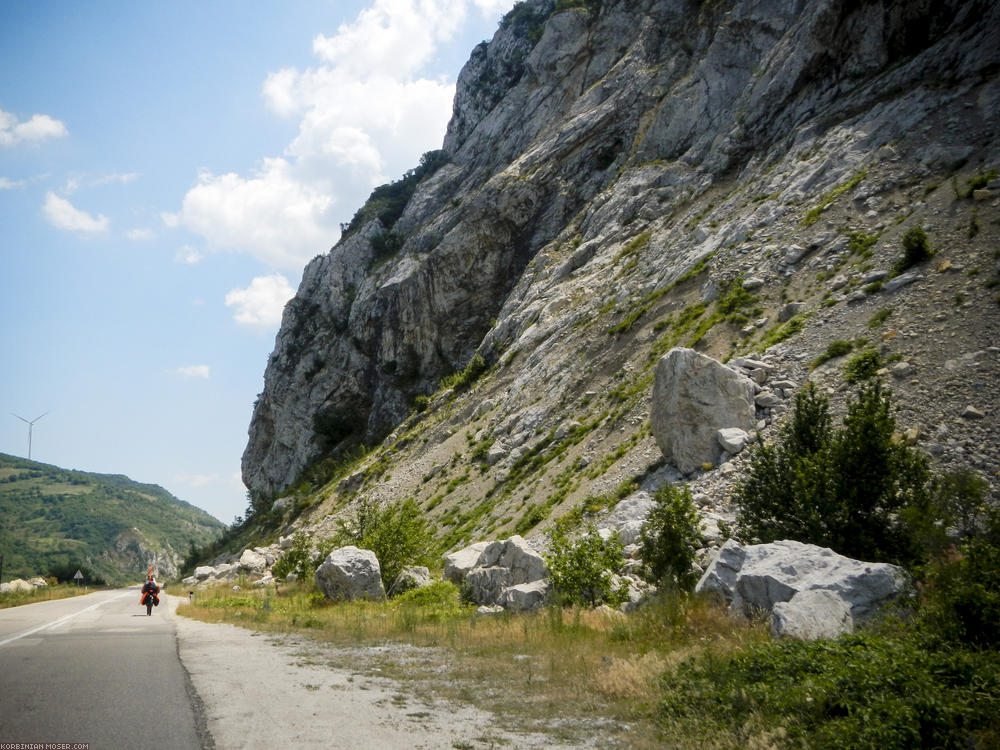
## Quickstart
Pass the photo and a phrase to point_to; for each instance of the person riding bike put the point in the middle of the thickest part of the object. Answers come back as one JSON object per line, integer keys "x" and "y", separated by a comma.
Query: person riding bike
{"x": 150, "y": 593}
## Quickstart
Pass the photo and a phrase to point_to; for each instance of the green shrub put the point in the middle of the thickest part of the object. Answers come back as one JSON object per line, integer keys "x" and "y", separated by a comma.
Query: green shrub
{"x": 462, "y": 381}
{"x": 861, "y": 243}
{"x": 834, "y": 350}
{"x": 981, "y": 180}
{"x": 670, "y": 538}
{"x": 879, "y": 318}
{"x": 296, "y": 559}
{"x": 856, "y": 692}
{"x": 398, "y": 533}
{"x": 582, "y": 570}
{"x": 916, "y": 248}
{"x": 846, "y": 489}
{"x": 387, "y": 243}
{"x": 387, "y": 202}
{"x": 862, "y": 366}
{"x": 962, "y": 589}
{"x": 438, "y": 602}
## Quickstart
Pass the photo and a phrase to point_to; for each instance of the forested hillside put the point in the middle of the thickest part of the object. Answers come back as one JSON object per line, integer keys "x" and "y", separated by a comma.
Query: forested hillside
{"x": 54, "y": 521}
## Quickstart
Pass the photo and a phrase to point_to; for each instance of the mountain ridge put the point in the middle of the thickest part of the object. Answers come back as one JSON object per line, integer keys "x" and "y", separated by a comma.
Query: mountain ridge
{"x": 620, "y": 178}
{"x": 113, "y": 527}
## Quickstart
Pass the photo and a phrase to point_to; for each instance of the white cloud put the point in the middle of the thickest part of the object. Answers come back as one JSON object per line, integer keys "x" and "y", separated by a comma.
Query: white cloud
{"x": 75, "y": 182}
{"x": 62, "y": 214}
{"x": 139, "y": 234}
{"x": 393, "y": 37}
{"x": 196, "y": 480}
{"x": 260, "y": 305}
{"x": 365, "y": 113}
{"x": 8, "y": 184}
{"x": 272, "y": 215}
{"x": 188, "y": 255}
{"x": 194, "y": 371}
{"x": 37, "y": 129}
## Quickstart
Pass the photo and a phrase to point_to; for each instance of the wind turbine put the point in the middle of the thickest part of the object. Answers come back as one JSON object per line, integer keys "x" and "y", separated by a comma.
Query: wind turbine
{"x": 31, "y": 425}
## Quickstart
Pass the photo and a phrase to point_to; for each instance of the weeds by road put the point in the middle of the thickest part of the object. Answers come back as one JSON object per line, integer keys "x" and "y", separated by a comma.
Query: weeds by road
{"x": 582, "y": 676}
{"x": 42, "y": 594}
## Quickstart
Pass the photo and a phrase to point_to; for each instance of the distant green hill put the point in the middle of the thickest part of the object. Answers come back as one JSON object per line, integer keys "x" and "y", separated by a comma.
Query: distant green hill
{"x": 54, "y": 521}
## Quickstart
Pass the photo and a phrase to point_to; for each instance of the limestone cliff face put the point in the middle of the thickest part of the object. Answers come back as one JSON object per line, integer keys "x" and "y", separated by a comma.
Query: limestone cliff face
{"x": 595, "y": 156}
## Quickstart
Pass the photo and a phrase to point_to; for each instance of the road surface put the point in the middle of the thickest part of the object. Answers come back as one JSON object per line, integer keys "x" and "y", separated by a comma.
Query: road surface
{"x": 95, "y": 669}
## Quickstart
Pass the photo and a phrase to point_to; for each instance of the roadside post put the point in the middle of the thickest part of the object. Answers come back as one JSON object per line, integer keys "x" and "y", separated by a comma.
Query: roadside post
{"x": 78, "y": 576}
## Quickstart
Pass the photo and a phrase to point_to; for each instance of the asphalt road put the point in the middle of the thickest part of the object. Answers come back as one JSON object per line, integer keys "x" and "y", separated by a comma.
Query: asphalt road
{"x": 95, "y": 669}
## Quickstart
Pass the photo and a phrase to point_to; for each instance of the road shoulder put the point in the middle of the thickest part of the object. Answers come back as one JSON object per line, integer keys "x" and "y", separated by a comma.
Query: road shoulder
{"x": 264, "y": 691}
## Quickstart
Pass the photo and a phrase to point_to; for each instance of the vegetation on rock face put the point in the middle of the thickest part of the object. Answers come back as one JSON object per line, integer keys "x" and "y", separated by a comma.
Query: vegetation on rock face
{"x": 916, "y": 249}
{"x": 387, "y": 202}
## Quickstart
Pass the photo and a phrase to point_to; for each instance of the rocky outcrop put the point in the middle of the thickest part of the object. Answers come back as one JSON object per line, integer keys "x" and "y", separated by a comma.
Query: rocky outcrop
{"x": 350, "y": 573}
{"x": 783, "y": 577}
{"x": 694, "y": 398}
{"x": 507, "y": 573}
{"x": 573, "y": 131}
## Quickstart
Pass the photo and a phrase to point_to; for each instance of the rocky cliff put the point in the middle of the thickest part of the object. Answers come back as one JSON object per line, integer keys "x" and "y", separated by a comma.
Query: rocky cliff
{"x": 626, "y": 176}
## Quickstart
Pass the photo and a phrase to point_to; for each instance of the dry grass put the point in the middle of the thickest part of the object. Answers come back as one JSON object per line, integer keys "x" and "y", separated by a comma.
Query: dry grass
{"x": 577, "y": 675}
{"x": 43, "y": 594}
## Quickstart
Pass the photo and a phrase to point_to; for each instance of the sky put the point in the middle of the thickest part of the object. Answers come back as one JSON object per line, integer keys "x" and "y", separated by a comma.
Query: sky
{"x": 166, "y": 172}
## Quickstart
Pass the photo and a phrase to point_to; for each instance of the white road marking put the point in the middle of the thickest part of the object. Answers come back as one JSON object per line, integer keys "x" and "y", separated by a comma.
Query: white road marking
{"x": 61, "y": 620}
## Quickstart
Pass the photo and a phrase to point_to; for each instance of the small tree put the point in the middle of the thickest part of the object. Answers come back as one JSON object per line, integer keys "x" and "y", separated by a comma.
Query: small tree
{"x": 398, "y": 534}
{"x": 847, "y": 489}
{"x": 298, "y": 559}
{"x": 582, "y": 570}
{"x": 670, "y": 538}
{"x": 916, "y": 248}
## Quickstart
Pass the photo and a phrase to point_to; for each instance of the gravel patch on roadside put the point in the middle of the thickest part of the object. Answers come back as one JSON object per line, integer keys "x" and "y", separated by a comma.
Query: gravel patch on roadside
{"x": 257, "y": 691}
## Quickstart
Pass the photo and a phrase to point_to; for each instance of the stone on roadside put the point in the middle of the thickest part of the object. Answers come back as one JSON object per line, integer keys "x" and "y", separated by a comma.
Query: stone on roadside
{"x": 252, "y": 561}
{"x": 350, "y": 573}
{"x": 525, "y": 597}
{"x": 457, "y": 564}
{"x": 758, "y": 576}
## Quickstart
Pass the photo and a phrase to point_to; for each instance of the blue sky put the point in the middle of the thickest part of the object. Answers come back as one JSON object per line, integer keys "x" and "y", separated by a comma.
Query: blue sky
{"x": 166, "y": 171}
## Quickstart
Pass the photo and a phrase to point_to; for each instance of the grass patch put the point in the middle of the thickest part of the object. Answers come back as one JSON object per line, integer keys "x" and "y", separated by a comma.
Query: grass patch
{"x": 857, "y": 692}
{"x": 814, "y": 213}
{"x": 567, "y": 672}
{"x": 777, "y": 334}
{"x": 879, "y": 318}
{"x": 834, "y": 350}
{"x": 43, "y": 594}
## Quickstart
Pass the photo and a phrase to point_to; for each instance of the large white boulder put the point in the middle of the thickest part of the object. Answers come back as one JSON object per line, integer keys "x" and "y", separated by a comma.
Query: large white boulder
{"x": 758, "y": 577}
{"x": 695, "y": 396}
{"x": 15, "y": 586}
{"x": 810, "y": 615}
{"x": 350, "y": 573}
{"x": 458, "y": 564}
{"x": 252, "y": 561}
{"x": 503, "y": 565}
{"x": 525, "y": 597}
{"x": 517, "y": 556}
{"x": 203, "y": 571}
